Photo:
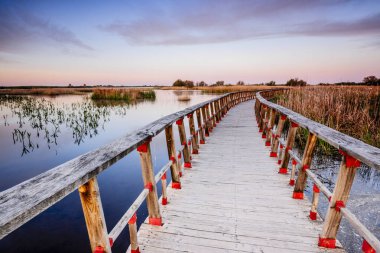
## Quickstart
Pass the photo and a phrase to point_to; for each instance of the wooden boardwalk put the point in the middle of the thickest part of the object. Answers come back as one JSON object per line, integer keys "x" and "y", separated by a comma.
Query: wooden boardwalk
{"x": 233, "y": 199}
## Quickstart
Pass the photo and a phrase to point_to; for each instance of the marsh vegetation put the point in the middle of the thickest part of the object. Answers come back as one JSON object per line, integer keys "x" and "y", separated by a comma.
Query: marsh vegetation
{"x": 354, "y": 111}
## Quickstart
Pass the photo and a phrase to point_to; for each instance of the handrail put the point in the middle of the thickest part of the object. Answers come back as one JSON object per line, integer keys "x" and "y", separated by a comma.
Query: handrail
{"x": 353, "y": 152}
{"x": 24, "y": 201}
{"x": 366, "y": 153}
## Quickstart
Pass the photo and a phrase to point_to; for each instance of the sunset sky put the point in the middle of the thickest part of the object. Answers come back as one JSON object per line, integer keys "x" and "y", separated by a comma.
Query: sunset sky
{"x": 156, "y": 42}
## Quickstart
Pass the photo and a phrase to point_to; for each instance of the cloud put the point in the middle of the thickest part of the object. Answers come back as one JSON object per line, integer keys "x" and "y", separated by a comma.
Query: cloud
{"x": 19, "y": 28}
{"x": 364, "y": 26}
{"x": 222, "y": 21}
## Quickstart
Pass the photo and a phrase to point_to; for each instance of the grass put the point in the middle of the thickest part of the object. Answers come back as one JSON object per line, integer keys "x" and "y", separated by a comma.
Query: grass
{"x": 224, "y": 88}
{"x": 45, "y": 91}
{"x": 354, "y": 111}
{"x": 127, "y": 95}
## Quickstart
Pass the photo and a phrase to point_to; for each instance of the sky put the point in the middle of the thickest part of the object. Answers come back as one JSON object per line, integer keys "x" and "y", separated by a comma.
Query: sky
{"x": 151, "y": 42}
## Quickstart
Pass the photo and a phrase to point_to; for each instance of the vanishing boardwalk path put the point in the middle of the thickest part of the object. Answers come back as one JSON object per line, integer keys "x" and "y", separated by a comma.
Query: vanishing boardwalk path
{"x": 233, "y": 199}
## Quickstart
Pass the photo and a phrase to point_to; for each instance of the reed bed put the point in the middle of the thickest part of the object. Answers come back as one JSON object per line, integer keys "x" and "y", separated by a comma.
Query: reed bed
{"x": 127, "y": 95}
{"x": 45, "y": 91}
{"x": 354, "y": 111}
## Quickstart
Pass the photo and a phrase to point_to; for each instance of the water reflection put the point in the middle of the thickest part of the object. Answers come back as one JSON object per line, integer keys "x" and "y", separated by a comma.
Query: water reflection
{"x": 37, "y": 120}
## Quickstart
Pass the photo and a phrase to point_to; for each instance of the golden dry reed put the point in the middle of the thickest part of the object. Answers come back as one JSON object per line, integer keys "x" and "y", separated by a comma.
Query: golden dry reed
{"x": 354, "y": 111}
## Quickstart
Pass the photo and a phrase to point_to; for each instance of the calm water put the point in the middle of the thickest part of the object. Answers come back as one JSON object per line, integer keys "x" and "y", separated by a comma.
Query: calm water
{"x": 39, "y": 133}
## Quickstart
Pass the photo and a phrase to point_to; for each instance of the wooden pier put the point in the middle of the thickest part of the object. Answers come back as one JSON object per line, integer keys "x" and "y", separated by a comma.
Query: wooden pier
{"x": 236, "y": 184}
{"x": 233, "y": 199}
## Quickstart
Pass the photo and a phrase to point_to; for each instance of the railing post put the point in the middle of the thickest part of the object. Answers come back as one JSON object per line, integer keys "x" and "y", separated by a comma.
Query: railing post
{"x": 270, "y": 124}
{"x": 200, "y": 128}
{"x": 149, "y": 183}
{"x": 289, "y": 145}
{"x": 338, "y": 200}
{"x": 204, "y": 116}
{"x": 213, "y": 114}
{"x": 262, "y": 118}
{"x": 182, "y": 137}
{"x": 217, "y": 110}
{"x": 277, "y": 136}
{"x": 133, "y": 234}
{"x": 194, "y": 139}
{"x": 314, "y": 203}
{"x": 174, "y": 170}
{"x": 209, "y": 120}
{"x": 94, "y": 216}
{"x": 306, "y": 161}
{"x": 293, "y": 172}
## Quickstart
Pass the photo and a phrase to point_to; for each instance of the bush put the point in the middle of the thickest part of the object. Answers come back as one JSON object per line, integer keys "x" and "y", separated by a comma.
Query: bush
{"x": 296, "y": 82}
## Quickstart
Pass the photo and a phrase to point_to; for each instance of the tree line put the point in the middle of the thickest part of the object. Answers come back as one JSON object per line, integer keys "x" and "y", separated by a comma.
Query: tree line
{"x": 368, "y": 80}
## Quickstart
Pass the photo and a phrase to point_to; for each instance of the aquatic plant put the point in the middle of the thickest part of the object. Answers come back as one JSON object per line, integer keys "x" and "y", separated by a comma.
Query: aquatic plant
{"x": 127, "y": 95}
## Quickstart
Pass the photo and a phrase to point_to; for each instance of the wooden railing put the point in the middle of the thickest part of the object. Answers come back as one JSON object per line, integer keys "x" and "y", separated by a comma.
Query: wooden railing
{"x": 24, "y": 201}
{"x": 353, "y": 151}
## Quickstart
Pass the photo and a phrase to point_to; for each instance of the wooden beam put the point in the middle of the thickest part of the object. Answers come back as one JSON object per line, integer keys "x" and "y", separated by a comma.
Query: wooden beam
{"x": 306, "y": 161}
{"x": 201, "y": 129}
{"x": 213, "y": 115}
{"x": 194, "y": 139}
{"x": 182, "y": 137}
{"x": 338, "y": 200}
{"x": 174, "y": 170}
{"x": 289, "y": 145}
{"x": 94, "y": 216}
{"x": 204, "y": 117}
{"x": 275, "y": 143}
{"x": 150, "y": 183}
{"x": 272, "y": 117}
{"x": 133, "y": 234}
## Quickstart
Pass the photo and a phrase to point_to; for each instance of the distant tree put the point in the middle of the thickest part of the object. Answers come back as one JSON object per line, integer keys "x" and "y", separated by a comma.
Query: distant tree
{"x": 179, "y": 83}
{"x": 219, "y": 83}
{"x": 295, "y": 82}
{"x": 371, "y": 80}
{"x": 240, "y": 83}
{"x": 271, "y": 83}
{"x": 189, "y": 84}
{"x": 70, "y": 85}
{"x": 201, "y": 84}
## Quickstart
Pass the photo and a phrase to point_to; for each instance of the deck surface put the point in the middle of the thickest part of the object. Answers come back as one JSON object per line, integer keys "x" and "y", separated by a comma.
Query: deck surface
{"x": 233, "y": 199}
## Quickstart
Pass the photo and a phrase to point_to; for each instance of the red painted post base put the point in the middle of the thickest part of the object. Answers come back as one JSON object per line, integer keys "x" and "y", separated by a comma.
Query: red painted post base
{"x": 267, "y": 143}
{"x": 297, "y": 195}
{"x": 135, "y": 250}
{"x": 164, "y": 201}
{"x": 367, "y": 248}
{"x": 176, "y": 185}
{"x": 195, "y": 152}
{"x": 99, "y": 249}
{"x": 180, "y": 174}
{"x": 187, "y": 165}
{"x": 202, "y": 142}
{"x": 279, "y": 162}
{"x": 291, "y": 182}
{"x": 327, "y": 243}
{"x": 264, "y": 136}
{"x": 313, "y": 215}
{"x": 260, "y": 130}
{"x": 283, "y": 171}
{"x": 273, "y": 154}
{"x": 155, "y": 221}
{"x": 214, "y": 125}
